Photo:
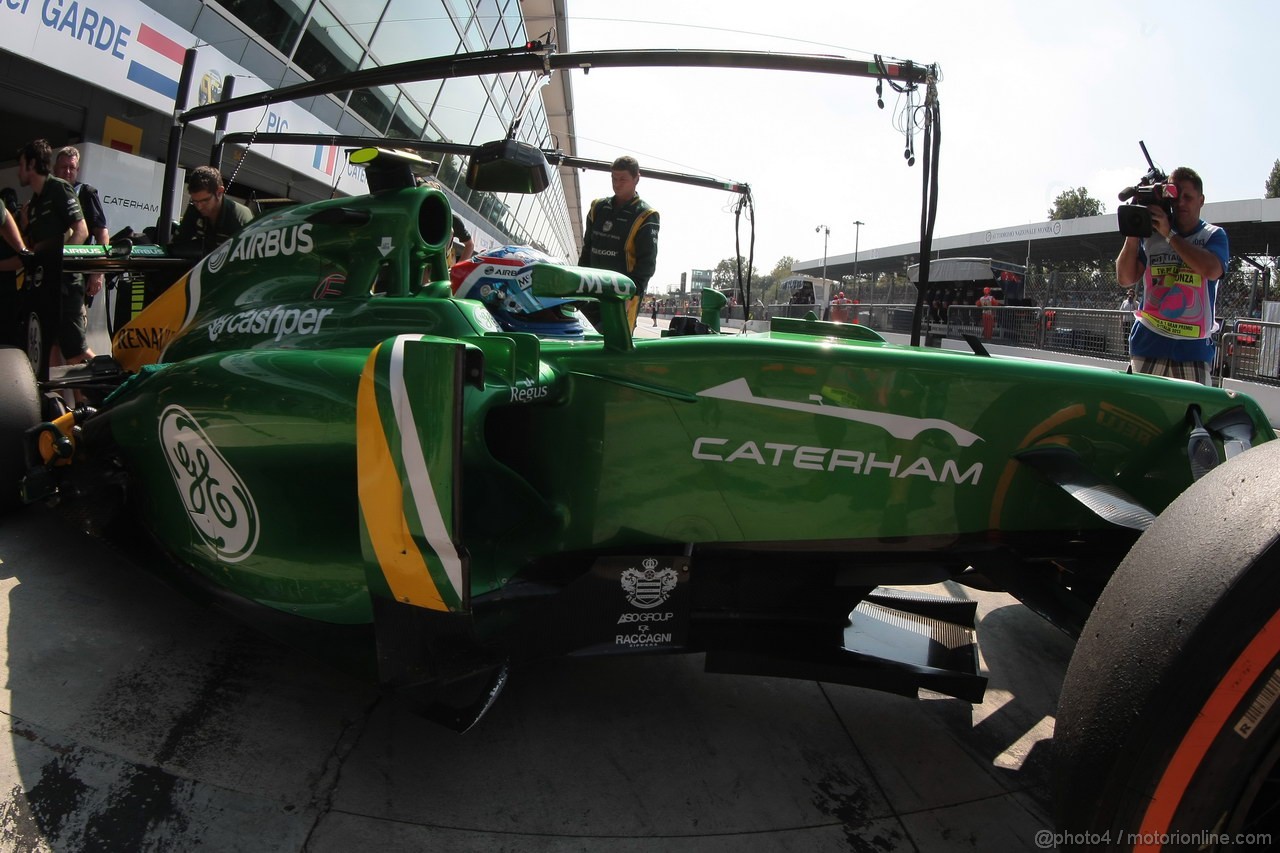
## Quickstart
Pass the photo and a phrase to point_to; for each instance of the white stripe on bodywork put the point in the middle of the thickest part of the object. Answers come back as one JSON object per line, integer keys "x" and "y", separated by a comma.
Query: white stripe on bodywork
{"x": 415, "y": 465}
{"x": 899, "y": 426}
{"x": 193, "y": 296}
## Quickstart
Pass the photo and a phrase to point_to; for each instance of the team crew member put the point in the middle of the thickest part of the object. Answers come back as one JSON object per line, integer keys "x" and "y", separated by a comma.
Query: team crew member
{"x": 1179, "y": 266}
{"x": 986, "y": 301}
{"x": 212, "y": 219}
{"x": 840, "y": 310}
{"x": 622, "y": 236}
{"x": 66, "y": 165}
{"x": 54, "y": 219}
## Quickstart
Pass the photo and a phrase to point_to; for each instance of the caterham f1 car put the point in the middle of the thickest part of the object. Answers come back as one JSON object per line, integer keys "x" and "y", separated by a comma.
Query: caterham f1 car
{"x": 317, "y": 431}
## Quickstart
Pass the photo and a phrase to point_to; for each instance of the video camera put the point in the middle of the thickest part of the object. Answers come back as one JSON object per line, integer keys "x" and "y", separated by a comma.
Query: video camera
{"x": 1153, "y": 188}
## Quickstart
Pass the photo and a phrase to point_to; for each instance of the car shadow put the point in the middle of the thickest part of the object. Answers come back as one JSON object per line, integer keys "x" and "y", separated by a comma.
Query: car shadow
{"x": 140, "y": 719}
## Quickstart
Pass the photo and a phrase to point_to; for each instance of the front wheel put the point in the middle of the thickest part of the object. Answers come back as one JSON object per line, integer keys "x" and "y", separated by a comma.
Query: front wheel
{"x": 1168, "y": 731}
{"x": 19, "y": 411}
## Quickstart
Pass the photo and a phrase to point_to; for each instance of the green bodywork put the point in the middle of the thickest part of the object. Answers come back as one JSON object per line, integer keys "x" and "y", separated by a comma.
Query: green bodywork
{"x": 814, "y": 440}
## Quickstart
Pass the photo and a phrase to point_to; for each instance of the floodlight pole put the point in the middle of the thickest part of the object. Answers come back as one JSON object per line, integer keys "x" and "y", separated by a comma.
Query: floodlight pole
{"x": 857, "y": 232}
{"x": 826, "y": 232}
{"x": 857, "y": 224}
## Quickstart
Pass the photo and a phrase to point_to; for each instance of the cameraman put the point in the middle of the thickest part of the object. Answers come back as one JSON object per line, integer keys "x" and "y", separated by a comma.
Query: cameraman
{"x": 1179, "y": 266}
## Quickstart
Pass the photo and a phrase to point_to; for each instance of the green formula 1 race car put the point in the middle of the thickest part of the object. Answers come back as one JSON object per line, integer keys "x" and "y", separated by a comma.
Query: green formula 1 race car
{"x": 313, "y": 427}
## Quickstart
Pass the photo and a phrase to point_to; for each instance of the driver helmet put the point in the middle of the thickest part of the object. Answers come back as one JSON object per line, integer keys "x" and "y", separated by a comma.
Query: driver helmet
{"x": 502, "y": 279}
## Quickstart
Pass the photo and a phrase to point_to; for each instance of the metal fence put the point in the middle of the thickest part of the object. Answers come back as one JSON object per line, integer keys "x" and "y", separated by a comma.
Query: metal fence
{"x": 1240, "y": 294}
{"x": 1250, "y": 350}
{"x": 1247, "y": 349}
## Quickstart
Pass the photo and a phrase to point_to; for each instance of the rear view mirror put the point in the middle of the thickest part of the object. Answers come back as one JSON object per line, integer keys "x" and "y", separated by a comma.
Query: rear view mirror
{"x": 508, "y": 166}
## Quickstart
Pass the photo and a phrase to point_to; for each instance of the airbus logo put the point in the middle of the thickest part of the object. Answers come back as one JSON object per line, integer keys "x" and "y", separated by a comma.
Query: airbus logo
{"x": 269, "y": 244}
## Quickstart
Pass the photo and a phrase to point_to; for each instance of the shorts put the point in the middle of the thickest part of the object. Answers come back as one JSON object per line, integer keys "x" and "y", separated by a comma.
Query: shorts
{"x": 73, "y": 319}
{"x": 1191, "y": 371}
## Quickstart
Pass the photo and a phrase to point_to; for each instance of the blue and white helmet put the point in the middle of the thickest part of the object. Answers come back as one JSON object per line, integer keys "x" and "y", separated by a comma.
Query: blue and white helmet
{"x": 501, "y": 279}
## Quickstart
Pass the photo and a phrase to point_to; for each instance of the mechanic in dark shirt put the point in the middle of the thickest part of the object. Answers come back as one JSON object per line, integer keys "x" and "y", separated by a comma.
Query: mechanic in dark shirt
{"x": 622, "y": 236}
{"x": 211, "y": 220}
{"x": 53, "y": 219}
{"x": 66, "y": 165}
{"x": 464, "y": 245}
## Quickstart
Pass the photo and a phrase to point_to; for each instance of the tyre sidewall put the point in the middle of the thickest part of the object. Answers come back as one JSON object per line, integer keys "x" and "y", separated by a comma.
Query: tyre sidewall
{"x": 19, "y": 411}
{"x": 1194, "y": 592}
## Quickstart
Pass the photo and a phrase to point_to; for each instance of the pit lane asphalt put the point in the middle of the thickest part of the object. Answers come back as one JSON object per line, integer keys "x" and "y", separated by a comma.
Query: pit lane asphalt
{"x": 139, "y": 720}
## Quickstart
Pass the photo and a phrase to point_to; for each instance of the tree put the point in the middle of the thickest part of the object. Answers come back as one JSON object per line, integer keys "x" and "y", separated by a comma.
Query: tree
{"x": 1077, "y": 203}
{"x": 1079, "y": 278}
{"x": 782, "y": 269}
{"x": 725, "y": 275}
{"x": 770, "y": 283}
{"x": 1273, "y": 182}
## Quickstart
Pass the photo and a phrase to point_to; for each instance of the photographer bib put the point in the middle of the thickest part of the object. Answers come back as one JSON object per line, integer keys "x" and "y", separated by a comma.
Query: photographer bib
{"x": 1177, "y": 302}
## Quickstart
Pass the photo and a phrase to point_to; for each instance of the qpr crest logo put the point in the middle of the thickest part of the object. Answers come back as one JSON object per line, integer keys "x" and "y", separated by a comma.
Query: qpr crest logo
{"x": 648, "y": 587}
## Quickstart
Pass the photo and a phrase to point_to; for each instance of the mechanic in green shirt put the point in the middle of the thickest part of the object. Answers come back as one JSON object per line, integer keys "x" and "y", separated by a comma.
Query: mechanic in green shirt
{"x": 622, "y": 236}
{"x": 53, "y": 219}
{"x": 211, "y": 220}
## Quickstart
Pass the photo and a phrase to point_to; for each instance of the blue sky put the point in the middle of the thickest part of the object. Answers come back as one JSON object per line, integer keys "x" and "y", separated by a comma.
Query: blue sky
{"x": 1035, "y": 98}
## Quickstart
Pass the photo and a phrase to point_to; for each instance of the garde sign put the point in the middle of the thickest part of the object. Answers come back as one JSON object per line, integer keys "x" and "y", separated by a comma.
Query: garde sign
{"x": 124, "y": 46}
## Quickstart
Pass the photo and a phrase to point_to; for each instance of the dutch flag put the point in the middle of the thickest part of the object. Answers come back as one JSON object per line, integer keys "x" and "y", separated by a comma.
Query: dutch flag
{"x": 159, "y": 64}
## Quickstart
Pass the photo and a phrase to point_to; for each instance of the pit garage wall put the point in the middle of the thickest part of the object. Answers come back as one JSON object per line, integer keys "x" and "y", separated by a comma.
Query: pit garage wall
{"x": 128, "y": 186}
{"x": 125, "y": 47}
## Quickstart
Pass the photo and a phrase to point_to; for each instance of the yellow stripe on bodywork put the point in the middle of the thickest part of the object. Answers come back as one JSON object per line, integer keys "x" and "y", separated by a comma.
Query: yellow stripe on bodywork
{"x": 143, "y": 340}
{"x": 382, "y": 505}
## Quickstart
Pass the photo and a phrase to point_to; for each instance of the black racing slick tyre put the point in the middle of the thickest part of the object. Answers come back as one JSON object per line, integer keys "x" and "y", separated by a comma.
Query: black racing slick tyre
{"x": 19, "y": 411}
{"x": 1168, "y": 729}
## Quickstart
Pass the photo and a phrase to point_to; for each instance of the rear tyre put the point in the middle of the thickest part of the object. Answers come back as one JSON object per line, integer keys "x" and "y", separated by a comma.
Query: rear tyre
{"x": 19, "y": 411}
{"x": 1168, "y": 729}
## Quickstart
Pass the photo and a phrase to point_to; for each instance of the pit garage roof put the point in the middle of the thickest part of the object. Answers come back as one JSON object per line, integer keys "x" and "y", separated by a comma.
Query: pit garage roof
{"x": 1253, "y": 228}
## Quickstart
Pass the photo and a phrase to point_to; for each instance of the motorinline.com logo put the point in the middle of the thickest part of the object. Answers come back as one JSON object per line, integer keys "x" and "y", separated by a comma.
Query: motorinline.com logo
{"x": 1049, "y": 840}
